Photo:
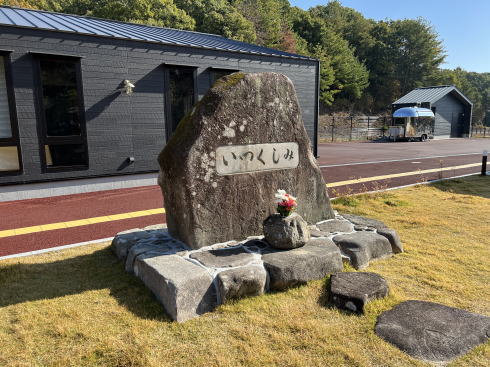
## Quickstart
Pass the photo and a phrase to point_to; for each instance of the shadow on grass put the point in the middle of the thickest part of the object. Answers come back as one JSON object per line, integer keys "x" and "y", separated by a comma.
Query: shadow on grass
{"x": 473, "y": 185}
{"x": 21, "y": 283}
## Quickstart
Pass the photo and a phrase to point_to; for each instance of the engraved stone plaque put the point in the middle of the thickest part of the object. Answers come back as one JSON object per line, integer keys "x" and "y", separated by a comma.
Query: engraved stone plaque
{"x": 236, "y": 159}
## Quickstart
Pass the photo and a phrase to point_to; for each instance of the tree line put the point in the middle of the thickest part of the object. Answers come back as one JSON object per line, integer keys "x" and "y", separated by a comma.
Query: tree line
{"x": 365, "y": 64}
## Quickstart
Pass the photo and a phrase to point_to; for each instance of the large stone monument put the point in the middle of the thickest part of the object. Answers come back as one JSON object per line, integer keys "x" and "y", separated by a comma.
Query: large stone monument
{"x": 243, "y": 141}
{"x": 219, "y": 176}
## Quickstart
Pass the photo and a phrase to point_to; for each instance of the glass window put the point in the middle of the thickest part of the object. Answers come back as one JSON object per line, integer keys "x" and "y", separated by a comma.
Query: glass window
{"x": 180, "y": 95}
{"x": 62, "y": 115}
{"x": 9, "y": 138}
{"x": 9, "y": 159}
{"x": 65, "y": 155}
{"x": 60, "y": 97}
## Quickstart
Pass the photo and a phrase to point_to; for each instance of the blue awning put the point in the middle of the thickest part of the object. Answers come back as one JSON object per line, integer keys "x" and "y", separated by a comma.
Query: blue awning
{"x": 413, "y": 112}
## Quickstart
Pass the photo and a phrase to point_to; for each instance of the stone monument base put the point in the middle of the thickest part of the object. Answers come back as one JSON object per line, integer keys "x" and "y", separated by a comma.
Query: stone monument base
{"x": 190, "y": 282}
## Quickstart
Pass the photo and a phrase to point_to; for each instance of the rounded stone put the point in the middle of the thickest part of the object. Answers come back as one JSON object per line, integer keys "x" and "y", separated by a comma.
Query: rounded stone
{"x": 286, "y": 232}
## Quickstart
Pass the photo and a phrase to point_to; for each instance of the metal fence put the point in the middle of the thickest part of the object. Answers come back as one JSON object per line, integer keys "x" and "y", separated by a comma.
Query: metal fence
{"x": 348, "y": 128}
{"x": 480, "y": 131}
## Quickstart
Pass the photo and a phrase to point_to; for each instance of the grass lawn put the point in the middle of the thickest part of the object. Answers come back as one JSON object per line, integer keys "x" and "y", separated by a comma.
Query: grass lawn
{"x": 79, "y": 307}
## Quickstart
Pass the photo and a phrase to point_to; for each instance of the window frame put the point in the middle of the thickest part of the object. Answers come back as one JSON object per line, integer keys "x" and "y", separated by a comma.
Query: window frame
{"x": 167, "y": 97}
{"x": 44, "y": 139}
{"x": 14, "y": 140}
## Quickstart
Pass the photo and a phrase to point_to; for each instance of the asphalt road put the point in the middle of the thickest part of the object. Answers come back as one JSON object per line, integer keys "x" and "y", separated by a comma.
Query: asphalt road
{"x": 377, "y": 165}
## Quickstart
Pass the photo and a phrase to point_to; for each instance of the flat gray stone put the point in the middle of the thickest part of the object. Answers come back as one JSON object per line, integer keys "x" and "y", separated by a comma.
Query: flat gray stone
{"x": 317, "y": 233}
{"x": 246, "y": 281}
{"x": 392, "y": 236}
{"x": 185, "y": 290}
{"x": 351, "y": 291}
{"x": 363, "y": 221}
{"x": 335, "y": 225}
{"x": 123, "y": 241}
{"x": 224, "y": 258}
{"x": 431, "y": 331}
{"x": 361, "y": 247}
{"x": 286, "y": 232}
{"x": 212, "y": 168}
{"x": 315, "y": 260}
{"x": 141, "y": 248}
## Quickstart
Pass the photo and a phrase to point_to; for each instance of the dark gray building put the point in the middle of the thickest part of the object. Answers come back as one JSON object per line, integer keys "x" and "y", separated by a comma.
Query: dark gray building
{"x": 451, "y": 108}
{"x": 67, "y": 106}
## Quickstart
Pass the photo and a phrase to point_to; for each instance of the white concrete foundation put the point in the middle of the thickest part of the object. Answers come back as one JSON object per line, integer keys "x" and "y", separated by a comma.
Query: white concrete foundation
{"x": 70, "y": 187}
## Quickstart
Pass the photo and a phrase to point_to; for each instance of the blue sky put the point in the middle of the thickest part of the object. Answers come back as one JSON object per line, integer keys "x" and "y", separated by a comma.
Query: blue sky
{"x": 463, "y": 26}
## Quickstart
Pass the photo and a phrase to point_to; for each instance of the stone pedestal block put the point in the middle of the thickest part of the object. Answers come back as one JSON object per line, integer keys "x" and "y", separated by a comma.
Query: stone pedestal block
{"x": 186, "y": 290}
{"x": 361, "y": 247}
{"x": 315, "y": 260}
{"x": 241, "y": 282}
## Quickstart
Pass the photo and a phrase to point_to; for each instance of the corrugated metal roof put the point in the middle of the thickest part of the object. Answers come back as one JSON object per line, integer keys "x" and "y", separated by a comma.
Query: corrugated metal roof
{"x": 36, "y": 19}
{"x": 429, "y": 94}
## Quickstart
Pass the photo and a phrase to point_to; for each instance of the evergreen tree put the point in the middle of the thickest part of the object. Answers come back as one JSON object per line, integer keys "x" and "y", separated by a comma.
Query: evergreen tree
{"x": 219, "y": 17}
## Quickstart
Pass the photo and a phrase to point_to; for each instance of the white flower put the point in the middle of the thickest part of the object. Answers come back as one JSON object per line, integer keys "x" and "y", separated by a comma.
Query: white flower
{"x": 282, "y": 195}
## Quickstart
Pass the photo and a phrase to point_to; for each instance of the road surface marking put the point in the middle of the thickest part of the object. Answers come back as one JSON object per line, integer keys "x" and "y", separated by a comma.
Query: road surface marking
{"x": 79, "y": 222}
{"x": 397, "y": 160}
{"x": 403, "y": 174}
{"x": 142, "y": 213}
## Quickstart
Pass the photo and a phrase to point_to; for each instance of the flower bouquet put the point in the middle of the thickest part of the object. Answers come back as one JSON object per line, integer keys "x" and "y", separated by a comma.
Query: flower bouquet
{"x": 286, "y": 204}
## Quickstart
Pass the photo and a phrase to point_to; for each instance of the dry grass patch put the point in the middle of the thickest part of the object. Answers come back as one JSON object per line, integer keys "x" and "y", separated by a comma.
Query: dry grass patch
{"x": 79, "y": 308}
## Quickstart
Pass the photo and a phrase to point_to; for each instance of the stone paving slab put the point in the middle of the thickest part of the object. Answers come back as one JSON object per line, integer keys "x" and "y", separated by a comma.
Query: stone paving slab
{"x": 352, "y": 291}
{"x": 431, "y": 331}
{"x": 225, "y": 258}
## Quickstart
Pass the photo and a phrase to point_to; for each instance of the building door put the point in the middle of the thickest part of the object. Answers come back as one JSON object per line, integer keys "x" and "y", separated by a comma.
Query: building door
{"x": 180, "y": 95}
{"x": 460, "y": 126}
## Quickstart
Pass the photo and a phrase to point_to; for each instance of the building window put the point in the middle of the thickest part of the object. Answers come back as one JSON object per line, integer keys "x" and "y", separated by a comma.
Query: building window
{"x": 10, "y": 158}
{"x": 180, "y": 94}
{"x": 215, "y": 74}
{"x": 61, "y": 113}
